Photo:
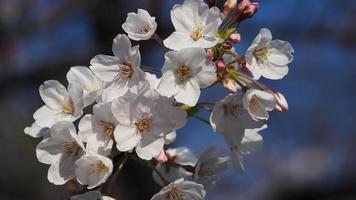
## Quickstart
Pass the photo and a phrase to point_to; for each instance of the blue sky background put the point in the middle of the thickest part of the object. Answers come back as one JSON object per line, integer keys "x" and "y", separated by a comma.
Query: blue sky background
{"x": 307, "y": 152}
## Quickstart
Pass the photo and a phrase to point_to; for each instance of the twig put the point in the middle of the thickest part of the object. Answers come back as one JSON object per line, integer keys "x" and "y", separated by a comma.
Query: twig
{"x": 159, "y": 41}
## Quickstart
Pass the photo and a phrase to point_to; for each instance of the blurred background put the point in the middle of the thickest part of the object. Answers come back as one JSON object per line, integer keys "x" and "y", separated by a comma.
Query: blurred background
{"x": 308, "y": 152}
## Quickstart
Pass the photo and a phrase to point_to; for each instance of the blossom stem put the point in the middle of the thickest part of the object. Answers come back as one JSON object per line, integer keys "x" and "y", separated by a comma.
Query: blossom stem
{"x": 150, "y": 69}
{"x": 201, "y": 119}
{"x": 159, "y": 41}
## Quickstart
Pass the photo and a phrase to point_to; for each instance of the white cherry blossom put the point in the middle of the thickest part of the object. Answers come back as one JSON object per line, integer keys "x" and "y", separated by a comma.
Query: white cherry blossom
{"x": 93, "y": 169}
{"x": 121, "y": 71}
{"x": 144, "y": 121}
{"x": 181, "y": 189}
{"x": 85, "y": 78}
{"x": 195, "y": 25}
{"x": 258, "y": 103}
{"x": 229, "y": 117}
{"x": 60, "y": 104}
{"x": 184, "y": 73}
{"x": 97, "y": 130}
{"x": 140, "y": 26}
{"x": 208, "y": 166}
{"x": 91, "y": 195}
{"x": 60, "y": 150}
{"x": 250, "y": 143}
{"x": 269, "y": 58}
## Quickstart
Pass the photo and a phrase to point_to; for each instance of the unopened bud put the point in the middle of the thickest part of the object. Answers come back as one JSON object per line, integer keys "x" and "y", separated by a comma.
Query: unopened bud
{"x": 246, "y": 9}
{"x": 162, "y": 157}
{"x": 230, "y": 84}
{"x": 227, "y": 45}
{"x": 210, "y": 54}
{"x": 282, "y": 104}
{"x": 221, "y": 64}
{"x": 235, "y": 38}
{"x": 229, "y": 6}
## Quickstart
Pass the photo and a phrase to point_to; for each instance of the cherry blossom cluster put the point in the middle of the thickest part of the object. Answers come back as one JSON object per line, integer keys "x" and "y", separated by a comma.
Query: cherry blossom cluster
{"x": 137, "y": 109}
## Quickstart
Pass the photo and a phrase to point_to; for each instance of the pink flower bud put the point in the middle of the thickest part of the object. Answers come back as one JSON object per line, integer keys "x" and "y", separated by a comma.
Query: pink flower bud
{"x": 246, "y": 9}
{"x": 227, "y": 45}
{"x": 282, "y": 104}
{"x": 210, "y": 54}
{"x": 162, "y": 157}
{"x": 235, "y": 37}
{"x": 220, "y": 64}
{"x": 230, "y": 84}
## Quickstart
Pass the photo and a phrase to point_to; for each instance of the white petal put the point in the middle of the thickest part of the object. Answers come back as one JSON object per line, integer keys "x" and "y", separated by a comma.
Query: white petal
{"x": 126, "y": 137}
{"x": 178, "y": 41}
{"x": 114, "y": 91}
{"x": 84, "y": 77}
{"x": 147, "y": 152}
{"x": 189, "y": 93}
{"x": 105, "y": 67}
{"x": 85, "y": 128}
{"x": 170, "y": 137}
{"x": 45, "y": 116}
{"x": 121, "y": 48}
{"x": 167, "y": 85}
{"x": 53, "y": 93}
{"x": 48, "y": 151}
{"x": 54, "y": 175}
{"x": 182, "y": 19}
{"x": 275, "y": 72}
{"x": 251, "y": 142}
{"x": 182, "y": 155}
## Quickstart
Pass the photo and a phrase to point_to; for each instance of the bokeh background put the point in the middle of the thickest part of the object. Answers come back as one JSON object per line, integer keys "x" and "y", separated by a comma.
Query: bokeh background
{"x": 308, "y": 152}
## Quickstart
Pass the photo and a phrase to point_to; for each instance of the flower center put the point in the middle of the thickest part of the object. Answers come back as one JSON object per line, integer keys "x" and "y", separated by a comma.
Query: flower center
{"x": 184, "y": 73}
{"x": 108, "y": 128}
{"x": 261, "y": 54}
{"x": 143, "y": 124}
{"x": 72, "y": 148}
{"x": 146, "y": 29}
{"x": 254, "y": 103}
{"x": 175, "y": 194}
{"x": 100, "y": 166}
{"x": 125, "y": 70}
{"x": 231, "y": 109}
{"x": 197, "y": 32}
{"x": 68, "y": 107}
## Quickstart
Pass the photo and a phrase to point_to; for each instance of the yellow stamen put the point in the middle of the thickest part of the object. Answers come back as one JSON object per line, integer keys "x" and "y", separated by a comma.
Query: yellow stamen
{"x": 108, "y": 128}
{"x": 100, "y": 166}
{"x": 143, "y": 124}
{"x": 68, "y": 107}
{"x": 175, "y": 194}
{"x": 184, "y": 73}
{"x": 261, "y": 54}
{"x": 197, "y": 32}
{"x": 125, "y": 70}
{"x": 72, "y": 148}
{"x": 231, "y": 109}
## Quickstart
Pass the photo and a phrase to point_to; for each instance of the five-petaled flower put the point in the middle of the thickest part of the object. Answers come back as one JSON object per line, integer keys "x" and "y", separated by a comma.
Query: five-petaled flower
{"x": 196, "y": 25}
